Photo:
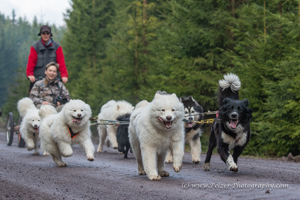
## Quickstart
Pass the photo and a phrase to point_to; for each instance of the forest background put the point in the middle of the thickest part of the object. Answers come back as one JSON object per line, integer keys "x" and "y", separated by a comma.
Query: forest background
{"x": 127, "y": 50}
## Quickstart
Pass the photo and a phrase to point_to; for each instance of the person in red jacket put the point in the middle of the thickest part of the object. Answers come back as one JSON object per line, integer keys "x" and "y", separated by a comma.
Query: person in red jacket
{"x": 42, "y": 52}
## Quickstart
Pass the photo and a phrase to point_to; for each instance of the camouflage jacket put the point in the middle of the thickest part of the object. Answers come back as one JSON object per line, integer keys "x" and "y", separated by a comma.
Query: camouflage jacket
{"x": 45, "y": 91}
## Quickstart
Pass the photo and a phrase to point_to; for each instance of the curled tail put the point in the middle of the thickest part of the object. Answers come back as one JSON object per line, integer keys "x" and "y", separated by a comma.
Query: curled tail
{"x": 24, "y": 105}
{"x": 47, "y": 110}
{"x": 229, "y": 87}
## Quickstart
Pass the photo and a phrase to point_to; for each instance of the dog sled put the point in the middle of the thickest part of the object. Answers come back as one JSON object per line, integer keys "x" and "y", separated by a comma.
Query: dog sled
{"x": 10, "y": 131}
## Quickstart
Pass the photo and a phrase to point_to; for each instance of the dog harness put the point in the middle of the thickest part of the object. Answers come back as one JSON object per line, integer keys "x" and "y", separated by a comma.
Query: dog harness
{"x": 72, "y": 134}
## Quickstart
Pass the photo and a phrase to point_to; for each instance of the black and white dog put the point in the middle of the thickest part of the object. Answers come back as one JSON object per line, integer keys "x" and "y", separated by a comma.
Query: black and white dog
{"x": 122, "y": 135}
{"x": 231, "y": 130}
{"x": 193, "y": 112}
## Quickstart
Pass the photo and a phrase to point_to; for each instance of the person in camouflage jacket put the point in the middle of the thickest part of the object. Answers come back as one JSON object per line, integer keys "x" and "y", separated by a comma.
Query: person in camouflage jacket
{"x": 47, "y": 90}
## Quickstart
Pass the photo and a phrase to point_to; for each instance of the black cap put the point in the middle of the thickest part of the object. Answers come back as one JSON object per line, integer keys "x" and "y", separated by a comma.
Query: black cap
{"x": 45, "y": 28}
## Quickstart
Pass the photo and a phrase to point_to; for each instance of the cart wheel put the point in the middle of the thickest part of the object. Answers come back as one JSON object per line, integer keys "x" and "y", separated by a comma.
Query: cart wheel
{"x": 9, "y": 129}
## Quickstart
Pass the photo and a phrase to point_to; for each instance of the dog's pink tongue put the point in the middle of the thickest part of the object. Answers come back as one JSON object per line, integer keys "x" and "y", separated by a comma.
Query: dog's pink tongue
{"x": 233, "y": 124}
{"x": 190, "y": 125}
{"x": 168, "y": 124}
{"x": 76, "y": 120}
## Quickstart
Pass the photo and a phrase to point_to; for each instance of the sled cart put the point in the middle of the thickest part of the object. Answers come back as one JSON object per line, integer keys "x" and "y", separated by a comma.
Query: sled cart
{"x": 10, "y": 131}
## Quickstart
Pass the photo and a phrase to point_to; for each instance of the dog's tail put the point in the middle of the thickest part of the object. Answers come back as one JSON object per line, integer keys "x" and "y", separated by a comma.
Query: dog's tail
{"x": 229, "y": 87}
{"x": 24, "y": 105}
{"x": 47, "y": 110}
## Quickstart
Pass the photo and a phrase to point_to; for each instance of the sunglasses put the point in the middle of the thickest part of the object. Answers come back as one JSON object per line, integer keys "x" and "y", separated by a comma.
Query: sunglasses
{"x": 45, "y": 33}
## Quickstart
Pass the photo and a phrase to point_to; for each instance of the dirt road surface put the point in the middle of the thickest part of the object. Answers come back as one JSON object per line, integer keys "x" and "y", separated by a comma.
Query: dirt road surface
{"x": 110, "y": 176}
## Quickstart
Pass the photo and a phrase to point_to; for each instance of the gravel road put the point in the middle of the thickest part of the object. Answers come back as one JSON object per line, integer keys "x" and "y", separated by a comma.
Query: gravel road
{"x": 110, "y": 176}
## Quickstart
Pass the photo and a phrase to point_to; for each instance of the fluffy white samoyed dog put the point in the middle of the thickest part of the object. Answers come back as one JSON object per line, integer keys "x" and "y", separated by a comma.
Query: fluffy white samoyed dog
{"x": 30, "y": 124}
{"x": 70, "y": 126}
{"x": 111, "y": 111}
{"x": 45, "y": 111}
{"x": 155, "y": 128}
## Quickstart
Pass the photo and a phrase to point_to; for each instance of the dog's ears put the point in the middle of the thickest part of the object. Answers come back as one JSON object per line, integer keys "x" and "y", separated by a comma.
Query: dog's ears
{"x": 174, "y": 95}
{"x": 246, "y": 102}
{"x": 225, "y": 101}
{"x": 157, "y": 96}
{"x": 118, "y": 107}
{"x": 186, "y": 98}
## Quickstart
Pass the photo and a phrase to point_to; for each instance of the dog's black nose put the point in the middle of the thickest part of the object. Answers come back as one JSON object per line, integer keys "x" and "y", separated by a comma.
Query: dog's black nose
{"x": 79, "y": 115}
{"x": 169, "y": 117}
{"x": 190, "y": 119}
{"x": 35, "y": 126}
{"x": 234, "y": 115}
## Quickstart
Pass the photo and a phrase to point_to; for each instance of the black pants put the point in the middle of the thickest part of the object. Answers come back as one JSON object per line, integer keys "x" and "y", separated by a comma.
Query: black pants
{"x": 31, "y": 86}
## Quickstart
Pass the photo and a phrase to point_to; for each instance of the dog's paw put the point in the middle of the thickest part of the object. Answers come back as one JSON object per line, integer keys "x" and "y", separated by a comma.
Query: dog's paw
{"x": 154, "y": 177}
{"x": 115, "y": 147}
{"x": 177, "y": 168}
{"x": 61, "y": 164}
{"x": 169, "y": 158}
{"x": 196, "y": 161}
{"x": 90, "y": 158}
{"x": 46, "y": 153}
{"x": 142, "y": 172}
{"x": 206, "y": 167}
{"x": 67, "y": 154}
{"x": 231, "y": 164}
{"x": 234, "y": 169}
{"x": 30, "y": 148}
{"x": 163, "y": 173}
{"x": 99, "y": 150}
{"x": 36, "y": 153}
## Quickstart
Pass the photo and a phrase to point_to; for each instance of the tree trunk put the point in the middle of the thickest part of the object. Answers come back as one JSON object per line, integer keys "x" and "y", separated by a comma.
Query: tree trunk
{"x": 144, "y": 38}
{"x": 280, "y": 13}
{"x": 233, "y": 8}
{"x": 144, "y": 27}
{"x": 299, "y": 10}
{"x": 265, "y": 29}
{"x": 94, "y": 37}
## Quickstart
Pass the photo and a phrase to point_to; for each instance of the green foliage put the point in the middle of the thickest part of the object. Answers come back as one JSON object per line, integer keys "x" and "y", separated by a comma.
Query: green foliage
{"x": 268, "y": 65}
{"x": 84, "y": 48}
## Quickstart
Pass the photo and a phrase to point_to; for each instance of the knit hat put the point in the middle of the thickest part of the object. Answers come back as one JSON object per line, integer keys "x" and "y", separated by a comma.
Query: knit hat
{"x": 45, "y": 28}
{"x": 52, "y": 64}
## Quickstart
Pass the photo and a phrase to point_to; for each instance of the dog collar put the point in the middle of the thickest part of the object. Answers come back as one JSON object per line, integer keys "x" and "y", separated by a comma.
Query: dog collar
{"x": 72, "y": 134}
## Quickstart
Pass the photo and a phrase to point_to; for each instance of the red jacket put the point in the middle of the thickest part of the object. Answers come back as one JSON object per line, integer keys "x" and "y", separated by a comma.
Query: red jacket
{"x": 33, "y": 58}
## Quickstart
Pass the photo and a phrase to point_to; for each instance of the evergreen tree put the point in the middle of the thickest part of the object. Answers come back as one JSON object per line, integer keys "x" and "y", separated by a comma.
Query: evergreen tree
{"x": 267, "y": 58}
{"x": 84, "y": 47}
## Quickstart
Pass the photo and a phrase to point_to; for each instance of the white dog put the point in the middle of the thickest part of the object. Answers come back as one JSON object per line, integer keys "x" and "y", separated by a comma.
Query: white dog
{"x": 45, "y": 111}
{"x": 30, "y": 124}
{"x": 111, "y": 111}
{"x": 70, "y": 126}
{"x": 154, "y": 128}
